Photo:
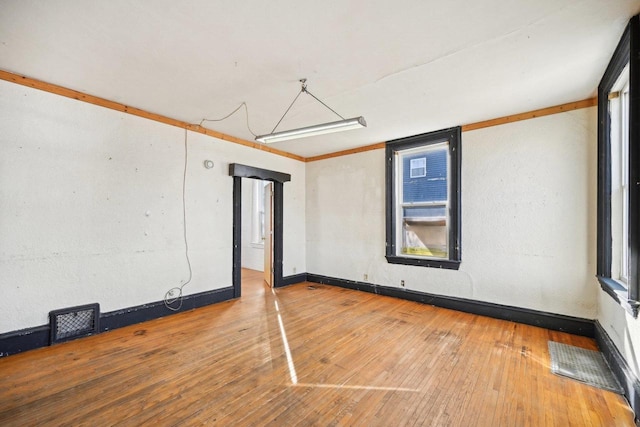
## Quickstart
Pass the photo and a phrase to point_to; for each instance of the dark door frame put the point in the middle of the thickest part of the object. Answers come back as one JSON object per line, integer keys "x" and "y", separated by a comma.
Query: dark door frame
{"x": 239, "y": 171}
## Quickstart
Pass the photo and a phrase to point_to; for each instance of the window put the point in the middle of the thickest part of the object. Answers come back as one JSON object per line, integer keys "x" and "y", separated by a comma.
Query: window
{"x": 423, "y": 200}
{"x": 419, "y": 167}
{"x": 257, "y": 216}
{"x": 619, "y": 172}
{"x": 619, "y": 140}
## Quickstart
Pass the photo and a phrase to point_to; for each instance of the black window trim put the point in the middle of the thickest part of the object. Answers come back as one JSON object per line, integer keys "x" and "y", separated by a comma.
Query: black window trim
{"x": 627, "y": 297}
{"x": 454, "y": 137}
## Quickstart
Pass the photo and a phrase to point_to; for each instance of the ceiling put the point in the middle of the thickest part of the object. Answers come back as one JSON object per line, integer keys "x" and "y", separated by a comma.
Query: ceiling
{"x": 407, "y": 66}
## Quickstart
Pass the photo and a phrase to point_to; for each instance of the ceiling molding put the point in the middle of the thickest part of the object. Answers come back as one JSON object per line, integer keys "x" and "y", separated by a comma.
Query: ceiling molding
{"x": 70, "y": 93}
{"x": 562, "y": 108}
{"x": 379, "y": 145}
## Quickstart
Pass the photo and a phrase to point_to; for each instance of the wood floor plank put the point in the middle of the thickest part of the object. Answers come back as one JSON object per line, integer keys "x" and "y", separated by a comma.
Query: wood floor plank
{"x": 353, "y": 358}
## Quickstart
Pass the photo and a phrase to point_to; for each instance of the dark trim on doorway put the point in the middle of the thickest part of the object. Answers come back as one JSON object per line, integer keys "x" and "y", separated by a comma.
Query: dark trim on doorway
{"x": 236, "y": 271}
{"x": 278, "y": 233}
{"x": 244, "y": 171}
{"x": 620, "y": 368}
{"x": 238, "y": 171}
{"x": 32, "y": 338}
{"x": 556, "y": 322}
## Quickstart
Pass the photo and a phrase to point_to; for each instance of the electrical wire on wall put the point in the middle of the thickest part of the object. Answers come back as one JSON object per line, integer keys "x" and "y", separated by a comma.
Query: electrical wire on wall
{"x": 175, "y": 295}
{"x": 173, "y": 298}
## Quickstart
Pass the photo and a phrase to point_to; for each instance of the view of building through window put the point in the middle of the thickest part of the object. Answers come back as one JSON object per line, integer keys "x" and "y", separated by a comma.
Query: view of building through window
{"x": 423, "y": 195}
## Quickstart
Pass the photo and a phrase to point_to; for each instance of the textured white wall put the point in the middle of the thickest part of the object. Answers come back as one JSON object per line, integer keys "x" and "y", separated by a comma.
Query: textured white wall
{"x": 91, "y": 207}
{"x": 622, "y": 328}
{"x": 528, "y": 218}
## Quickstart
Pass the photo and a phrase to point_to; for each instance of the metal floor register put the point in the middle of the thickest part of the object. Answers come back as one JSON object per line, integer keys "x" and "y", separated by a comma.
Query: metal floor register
{"x": 587, "y": 366}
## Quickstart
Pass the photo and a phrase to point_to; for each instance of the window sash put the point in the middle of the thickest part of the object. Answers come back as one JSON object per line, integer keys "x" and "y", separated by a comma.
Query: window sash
{"x": 619, "y": 145}
{"x": 624, "y": 184}
{"x": 430, "y": 249}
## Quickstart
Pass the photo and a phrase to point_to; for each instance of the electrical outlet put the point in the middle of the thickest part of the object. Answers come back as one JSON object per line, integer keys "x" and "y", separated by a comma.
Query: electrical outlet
{"x": 402, "y": 283}
{"x": 366, "y": 276}
{"x": 294, "y": 270}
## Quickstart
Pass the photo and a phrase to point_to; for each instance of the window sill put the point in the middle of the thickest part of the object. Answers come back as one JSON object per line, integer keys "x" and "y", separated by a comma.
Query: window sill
{"x": 422, "y": 262}
{"x": 619, "y": 294}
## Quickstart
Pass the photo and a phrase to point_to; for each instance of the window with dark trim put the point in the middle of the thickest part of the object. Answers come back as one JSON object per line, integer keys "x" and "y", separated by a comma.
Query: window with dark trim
{"x": 618, "y": 268}
{"x": 423, "y": 199}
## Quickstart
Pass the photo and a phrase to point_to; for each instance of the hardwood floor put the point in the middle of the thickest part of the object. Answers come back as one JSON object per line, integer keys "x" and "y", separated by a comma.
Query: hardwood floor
{"x": 305, "y": 355}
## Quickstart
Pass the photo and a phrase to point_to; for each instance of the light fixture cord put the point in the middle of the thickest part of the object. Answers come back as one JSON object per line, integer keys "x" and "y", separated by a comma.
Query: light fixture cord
{"x": 170, "y": 298}
{"x": 246, "y": 113}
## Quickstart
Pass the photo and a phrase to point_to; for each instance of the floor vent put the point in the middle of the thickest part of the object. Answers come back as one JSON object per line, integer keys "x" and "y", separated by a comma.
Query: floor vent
{"x": 587, "y": 366}
{"x": 75, "y": 322}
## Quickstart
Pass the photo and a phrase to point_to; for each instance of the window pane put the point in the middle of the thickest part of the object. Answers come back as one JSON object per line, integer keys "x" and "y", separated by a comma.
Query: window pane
{"x": 425, "y": 231}
{"x": 619, "y": 145}
{"x": 432, "y": 185}
{"x": 418, "y": 167}
{"x": 423, "y": 219}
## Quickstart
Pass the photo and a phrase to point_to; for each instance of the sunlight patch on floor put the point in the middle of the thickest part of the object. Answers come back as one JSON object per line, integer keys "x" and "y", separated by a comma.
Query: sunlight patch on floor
{"x": 357, "y": 387}
{"x": 287, "y": 351}
{"x": 292, "y": 367}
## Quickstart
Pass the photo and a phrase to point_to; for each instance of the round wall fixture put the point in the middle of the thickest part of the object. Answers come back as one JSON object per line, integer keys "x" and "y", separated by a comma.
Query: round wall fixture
{"x": 208, "y": 164}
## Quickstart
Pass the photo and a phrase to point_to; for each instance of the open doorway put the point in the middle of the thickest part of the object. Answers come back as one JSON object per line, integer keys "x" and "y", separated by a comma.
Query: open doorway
{"x": 254, "y": 228}
{"x": 276, "y": 180}
{"x": 257, "y": 229}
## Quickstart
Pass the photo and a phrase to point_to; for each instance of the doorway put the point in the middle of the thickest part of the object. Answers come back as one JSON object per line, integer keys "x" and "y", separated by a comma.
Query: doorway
{"x": 239, "y": 171}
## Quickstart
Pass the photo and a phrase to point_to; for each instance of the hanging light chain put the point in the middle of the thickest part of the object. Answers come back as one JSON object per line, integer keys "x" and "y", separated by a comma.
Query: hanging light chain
{"x": 304, "y": 89}
{"x": 314, "y": 97}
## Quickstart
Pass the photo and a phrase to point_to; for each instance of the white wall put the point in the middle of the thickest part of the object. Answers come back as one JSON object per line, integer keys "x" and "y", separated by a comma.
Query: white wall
{"x": 528, "y": 218}
{"x": 91, "y": 207}
{"x": 622, "y": 328}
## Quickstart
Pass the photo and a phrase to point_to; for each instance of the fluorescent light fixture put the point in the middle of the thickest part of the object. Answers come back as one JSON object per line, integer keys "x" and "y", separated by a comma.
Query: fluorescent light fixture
{"x": 339, "y": 126}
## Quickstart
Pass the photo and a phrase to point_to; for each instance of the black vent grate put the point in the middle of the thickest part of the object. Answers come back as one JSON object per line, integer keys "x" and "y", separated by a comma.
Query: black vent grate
{"x": 74, "y": 322}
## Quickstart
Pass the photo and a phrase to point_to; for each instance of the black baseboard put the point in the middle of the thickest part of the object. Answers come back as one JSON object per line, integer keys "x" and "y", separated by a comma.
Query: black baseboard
{"x": 625, "y": 376}
{"x": 292, "y": 280}
{"x": 557, "y": 322}
{"x": 142, "y": 313}
{"x": 23, "y": 340}
{"x": 36, "y": 337}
